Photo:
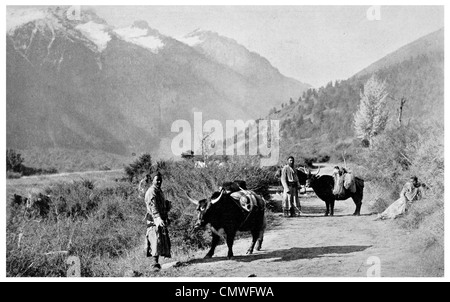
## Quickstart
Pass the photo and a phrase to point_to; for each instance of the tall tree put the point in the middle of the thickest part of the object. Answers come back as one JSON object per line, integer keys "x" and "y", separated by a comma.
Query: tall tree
{"x": 372, "y": 115}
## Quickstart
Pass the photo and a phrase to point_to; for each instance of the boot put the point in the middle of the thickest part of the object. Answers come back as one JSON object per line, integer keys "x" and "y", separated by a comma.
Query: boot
{"x": 292, "y": 212}
{"x": 155, "y": 265}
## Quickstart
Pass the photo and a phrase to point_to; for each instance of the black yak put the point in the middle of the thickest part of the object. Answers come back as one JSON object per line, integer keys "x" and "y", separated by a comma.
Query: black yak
{"x": 225, "y": 210}
{"x": 323, "y": 187}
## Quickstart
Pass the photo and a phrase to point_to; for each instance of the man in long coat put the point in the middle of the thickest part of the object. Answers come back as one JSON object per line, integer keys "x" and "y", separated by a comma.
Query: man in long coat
{"x": 289, "y": 180}
{"x": 157, "y": 236}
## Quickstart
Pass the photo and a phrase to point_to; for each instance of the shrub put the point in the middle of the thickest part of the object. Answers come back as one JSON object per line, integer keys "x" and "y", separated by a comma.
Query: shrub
{"x": 323, "y": 158}
{"x": 12, "y": 175}
{"x": 102, "y": 224}
{"x": 15, "y": 166}
{"x": 14, "y": 161}
{"x": 27, "y": 171}
{"x": 426, "y": 219}
{"x": 142, "y": 165}
{"x": 84, "y": 221}
{"x": 394, "y": 157}
{"x": 389, "y": 159}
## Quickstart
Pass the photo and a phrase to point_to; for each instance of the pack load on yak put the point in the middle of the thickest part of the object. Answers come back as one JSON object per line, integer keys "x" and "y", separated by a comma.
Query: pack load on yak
{"x": 343, "y": 180}
{"x": 247, "y": 199}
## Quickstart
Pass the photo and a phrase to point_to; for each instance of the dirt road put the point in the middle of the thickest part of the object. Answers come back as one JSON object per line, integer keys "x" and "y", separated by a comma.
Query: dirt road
{"x": 317, "y": 246}
{"x": 307, "y": 246}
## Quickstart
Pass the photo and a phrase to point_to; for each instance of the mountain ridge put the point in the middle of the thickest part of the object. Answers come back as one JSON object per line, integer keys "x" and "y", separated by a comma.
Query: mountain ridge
{"x": 85, "y": 84}
{"x": 431, "y": 42}
{"x": 322, "y": 119}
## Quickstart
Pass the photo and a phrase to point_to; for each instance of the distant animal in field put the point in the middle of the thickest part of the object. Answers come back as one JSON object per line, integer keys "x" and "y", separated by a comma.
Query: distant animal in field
{"x": 232, "y": 210}
{"x": 323, "y": 187}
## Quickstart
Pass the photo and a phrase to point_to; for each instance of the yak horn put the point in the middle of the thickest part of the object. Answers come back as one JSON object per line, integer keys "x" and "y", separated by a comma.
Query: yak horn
{"x": 192, "y": 199}
{"x": 318, "y": 171}
{"x": 303, "y": 169}
{"x": 213, "y": 201}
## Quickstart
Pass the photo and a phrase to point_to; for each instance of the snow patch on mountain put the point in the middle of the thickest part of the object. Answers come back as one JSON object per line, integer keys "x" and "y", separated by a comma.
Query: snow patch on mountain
{"x": 193, "y": 38}
{"x": 140, "y": 36}
{"x": 131, "y": 32}
{"x": 95, "y": 32}
{"x": 191, "y": 41}
{"x": 18, "y": 17}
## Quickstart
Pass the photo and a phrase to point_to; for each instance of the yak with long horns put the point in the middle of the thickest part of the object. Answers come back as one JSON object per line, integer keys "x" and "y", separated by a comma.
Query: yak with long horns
{"x": 323, "y": 187}
{"x": 223, "y": 211}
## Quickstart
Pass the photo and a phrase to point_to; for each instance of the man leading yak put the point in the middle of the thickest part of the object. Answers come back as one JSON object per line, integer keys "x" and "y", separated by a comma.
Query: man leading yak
{"x": 291, "y": 185}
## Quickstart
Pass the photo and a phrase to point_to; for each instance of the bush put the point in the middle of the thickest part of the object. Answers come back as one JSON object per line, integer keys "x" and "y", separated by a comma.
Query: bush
{"x": 15, "y": 166}
{"x": 12, "y": 175}
{"x": 83, "y": 221}
{"x": 27, "y": 171}
{"x": 394, "y": 157}
{"x": 13, "y": 161}
{"x": 426, "y": 219}
{"x": 101, "y": 225}
{"x": 323, "y": 158}
{"x": 141, "y": 166}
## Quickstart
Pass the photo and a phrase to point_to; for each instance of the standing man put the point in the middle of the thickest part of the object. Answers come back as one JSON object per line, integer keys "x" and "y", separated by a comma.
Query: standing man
{"x": 157, "y": 236}
{"x": 289, "y": 180}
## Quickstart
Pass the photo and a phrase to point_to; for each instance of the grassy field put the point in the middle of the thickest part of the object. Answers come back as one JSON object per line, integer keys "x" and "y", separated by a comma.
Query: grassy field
{"x": 98, "y": 217}
{"x": 68, "y": 160}
{"x": 26, "y": 184}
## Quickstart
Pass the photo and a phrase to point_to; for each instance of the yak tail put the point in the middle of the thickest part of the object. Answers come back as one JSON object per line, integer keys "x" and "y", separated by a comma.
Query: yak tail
{"x": 263, "y": 229}
{"x": 359, "y": 182}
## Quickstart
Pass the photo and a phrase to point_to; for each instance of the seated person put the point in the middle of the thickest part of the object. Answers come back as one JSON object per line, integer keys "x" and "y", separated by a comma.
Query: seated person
{"x": 411, "y": 192}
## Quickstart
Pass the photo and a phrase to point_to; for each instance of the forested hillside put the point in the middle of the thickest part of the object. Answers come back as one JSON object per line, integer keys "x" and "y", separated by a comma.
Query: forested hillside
{"x": 321, "y": 121}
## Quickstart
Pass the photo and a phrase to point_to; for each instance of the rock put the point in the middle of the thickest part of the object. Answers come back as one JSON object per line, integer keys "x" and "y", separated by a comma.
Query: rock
{"x": 132, "y": 273}
{"x": 171, "y": 264}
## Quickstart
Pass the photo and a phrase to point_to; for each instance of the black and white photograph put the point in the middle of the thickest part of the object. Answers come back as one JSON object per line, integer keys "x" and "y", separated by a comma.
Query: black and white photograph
{"x": 224, "y": 142}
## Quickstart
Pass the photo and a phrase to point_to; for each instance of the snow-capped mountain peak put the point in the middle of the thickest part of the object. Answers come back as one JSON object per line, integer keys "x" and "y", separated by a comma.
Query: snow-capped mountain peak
{"x": 193, "y": 38}
{"x": 88, "y": 26}
{"x": 15, "y": 18}
{"x": 96, "y": 33}
{"x": 81, "y": 83}
{"x": 142, "y": 35}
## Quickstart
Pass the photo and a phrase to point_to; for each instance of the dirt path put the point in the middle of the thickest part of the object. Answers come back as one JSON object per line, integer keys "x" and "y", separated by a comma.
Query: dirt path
{"x": 317, "y": 246}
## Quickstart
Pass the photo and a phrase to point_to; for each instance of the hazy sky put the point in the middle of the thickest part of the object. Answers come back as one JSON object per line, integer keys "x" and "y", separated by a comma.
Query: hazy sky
{"x": 314, "y": 44}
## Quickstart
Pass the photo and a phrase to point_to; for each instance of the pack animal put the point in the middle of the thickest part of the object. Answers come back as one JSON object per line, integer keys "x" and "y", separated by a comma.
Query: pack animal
{"x": 323, "y": 187}
{"x": 222, "y": 211}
